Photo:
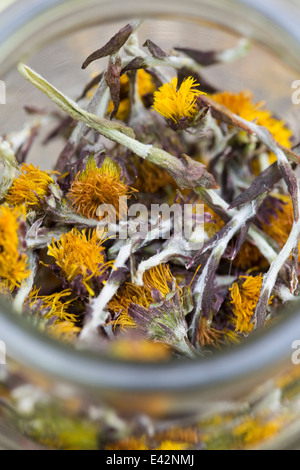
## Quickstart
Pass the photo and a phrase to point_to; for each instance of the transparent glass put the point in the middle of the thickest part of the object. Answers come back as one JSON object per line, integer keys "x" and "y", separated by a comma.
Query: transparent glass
{"x": 54, "y": 396}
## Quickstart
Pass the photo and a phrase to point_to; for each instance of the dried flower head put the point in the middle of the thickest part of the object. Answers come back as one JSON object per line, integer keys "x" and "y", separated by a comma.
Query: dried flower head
{"x": 177, "y": 104}
{"x": 30, "y": 187}
{"x": 171, "y": 445}
{"x": 242, "y": 104}
{"x": 13, "y": 261}
{"x": 53, "y": 313}
{"x": 245, "y": 295}
{"x": 65, "y": 331}
{"x": 257, "y": 430}
{"x": 51, "y": 307}
{"x": 80, "y": 260}
{"x": 280, "y": 222}
{"x": 159, "y": 277}
{"x": 208, "y": 335}
{"x": 96, "y": 186}
{"x": 157, "y": 308}
{"x": 187, "y": 435}
{"x": 151, "y": 178}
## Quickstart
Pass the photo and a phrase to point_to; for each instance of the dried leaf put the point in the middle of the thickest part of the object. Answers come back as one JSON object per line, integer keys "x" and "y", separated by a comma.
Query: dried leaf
{"x": 135, "y": 64}
{"x": 204, "y": 58}
{"x": 154, "y": 49}
{"x": 263, "y": 183}
{"x": 112, "y": 77}
{"x": 113, "y": 45}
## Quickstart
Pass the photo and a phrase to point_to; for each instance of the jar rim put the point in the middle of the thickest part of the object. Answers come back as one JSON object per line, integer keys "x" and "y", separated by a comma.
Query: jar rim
{"x": 264, "y": 350}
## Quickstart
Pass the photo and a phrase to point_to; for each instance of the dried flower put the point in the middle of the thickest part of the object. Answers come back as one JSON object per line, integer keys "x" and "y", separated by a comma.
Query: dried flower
{"x": 280, "y": 222}
{"x": 65, "y": 331}
{"x": 52, "y": 306}
{"x": 150, "y": 177}
{"x": 30, "y": 187}
{"x": 157, "y": 309}
{"x": 253, "y": 431}
{"x": 159, "y": 277}
{"x": 242, "y": 105}
{"x": 208, "y": 335}
{"x": 13, "y": 261}
{"x": 177, "y": 104}
{"x": 245, "y": 295}
{"x": 53, "y": 313}
{"x": 170, "y": 445}
{"x": 187, "y": 435}
{"x": 80, "y": 260}
{"x": 95, "y": 186}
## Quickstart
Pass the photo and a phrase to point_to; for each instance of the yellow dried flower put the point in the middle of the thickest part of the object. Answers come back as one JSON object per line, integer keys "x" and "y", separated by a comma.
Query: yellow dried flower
{"x": 13, "y": 263}
{"x": 53, "y": 312}
{"x": 30, "y": 186}
{"x": 170, "y": 445}
{"x": 208, "y": 336}
{"x": 80, "y": 255}
{"x": 244, "y": 300}
{"x": 55, "y": 304}
{"x": 145, "y": 83}
{"x": 151, "y": 178}
{"x": 280, "y": 225}
{"x": 177, "y": 104}
{"x": 159, "y": 277}
{"x": 65, "y": 331}
{"x": 95, "y": 186}
{"x": 242, "y": 105}
{"x": 187, "y": 435}
{"x": 254, "y": 431}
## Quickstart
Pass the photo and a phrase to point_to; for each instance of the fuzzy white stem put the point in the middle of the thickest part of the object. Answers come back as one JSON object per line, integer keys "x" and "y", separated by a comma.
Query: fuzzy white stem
{"x": 235, "y": 225}
{"x": 98, "y": 313}
{"x": 27, "y": 284}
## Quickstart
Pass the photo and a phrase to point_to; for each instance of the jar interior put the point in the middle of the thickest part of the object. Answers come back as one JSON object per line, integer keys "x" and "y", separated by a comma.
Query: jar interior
{"x": 60, "y": 60}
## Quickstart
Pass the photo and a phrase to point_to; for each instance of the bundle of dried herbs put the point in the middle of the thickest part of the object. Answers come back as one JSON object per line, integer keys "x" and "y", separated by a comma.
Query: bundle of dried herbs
{"x": 90, "y": 251}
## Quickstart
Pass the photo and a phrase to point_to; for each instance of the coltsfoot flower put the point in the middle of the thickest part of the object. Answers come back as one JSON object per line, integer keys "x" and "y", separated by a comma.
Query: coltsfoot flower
{"x": 30, "y": 187}
{"x": 96, "y": 186}
{"x": 157, "y": 308}
{"x": 13, "y": 261}
{"x": 80, "y": 261}
{"x": 176, "y": 104}
{"x": 53, "y": 313}
{"x": 242, "y": 104}
{"x": 245, "y": 295}
{"x": 159, "y": 277}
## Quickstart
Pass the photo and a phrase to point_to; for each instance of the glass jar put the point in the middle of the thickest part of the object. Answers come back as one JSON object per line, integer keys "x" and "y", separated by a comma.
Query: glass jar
{"x": 57, "y": 397}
